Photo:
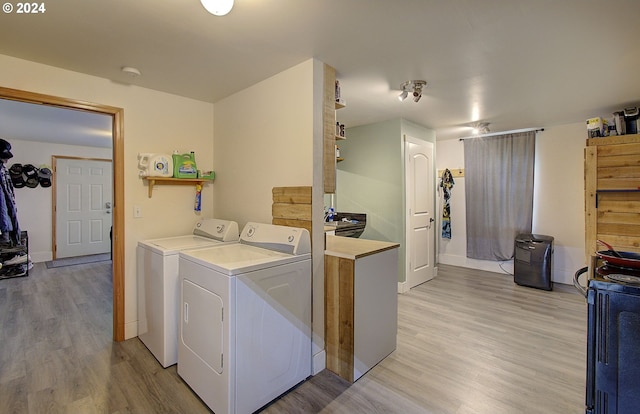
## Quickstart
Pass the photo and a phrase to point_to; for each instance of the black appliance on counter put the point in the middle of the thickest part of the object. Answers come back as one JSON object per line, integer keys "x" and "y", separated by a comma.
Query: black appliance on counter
{"x": 350, "y": 224}
{"x": 613, "y": 338}
{"x": 533, "y": 260}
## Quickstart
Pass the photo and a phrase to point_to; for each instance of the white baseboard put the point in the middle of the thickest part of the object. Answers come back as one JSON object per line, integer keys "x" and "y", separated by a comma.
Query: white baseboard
{"x": 403, "y": 287}
{"x": 130, "y": 330}
{"x": 40, "y": 257}
{"x": 557, "y": 275}
{"x": 319, "y": 362}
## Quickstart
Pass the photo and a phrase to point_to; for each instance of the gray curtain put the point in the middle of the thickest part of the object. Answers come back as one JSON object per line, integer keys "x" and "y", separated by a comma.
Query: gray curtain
{"x": 499, "y": 193}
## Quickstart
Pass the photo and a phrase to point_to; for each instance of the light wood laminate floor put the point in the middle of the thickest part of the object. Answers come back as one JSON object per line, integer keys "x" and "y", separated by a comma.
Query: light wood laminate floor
{"x": 469, "y": 342}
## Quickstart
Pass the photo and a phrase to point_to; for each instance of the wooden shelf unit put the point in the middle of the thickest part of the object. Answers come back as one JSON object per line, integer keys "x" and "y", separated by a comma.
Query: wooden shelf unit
{"x": 172, "y": 181}
{"x": 612, "y": 192}
{"x": 330, "y": 106}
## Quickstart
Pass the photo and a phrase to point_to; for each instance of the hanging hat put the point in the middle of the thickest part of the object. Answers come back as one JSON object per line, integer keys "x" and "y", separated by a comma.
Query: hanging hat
{"x": 15, "y": 172}
{"x": 31, "y": 174}
{"x": 44, "y": 176}
{"x": 5, "y": 150}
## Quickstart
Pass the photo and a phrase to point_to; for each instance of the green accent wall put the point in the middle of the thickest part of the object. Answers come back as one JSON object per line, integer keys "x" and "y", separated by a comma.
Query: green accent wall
{"x": 371, "y": 178}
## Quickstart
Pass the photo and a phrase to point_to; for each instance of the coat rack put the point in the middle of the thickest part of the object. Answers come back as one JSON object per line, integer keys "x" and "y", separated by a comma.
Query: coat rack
{"x": 455, "y": 172}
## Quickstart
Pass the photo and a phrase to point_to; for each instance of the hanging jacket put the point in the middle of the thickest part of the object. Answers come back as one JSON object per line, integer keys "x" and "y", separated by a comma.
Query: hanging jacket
{"x": 8, "y": 212}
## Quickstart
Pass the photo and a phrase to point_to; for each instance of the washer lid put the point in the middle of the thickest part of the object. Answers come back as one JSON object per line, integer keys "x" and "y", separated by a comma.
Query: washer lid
{"x": 232, "y": 259}
{"x": 172, "y": 245}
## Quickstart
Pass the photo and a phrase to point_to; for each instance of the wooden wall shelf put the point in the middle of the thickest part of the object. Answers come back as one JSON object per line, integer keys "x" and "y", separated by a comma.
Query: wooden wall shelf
{"x": 172, "y": 181}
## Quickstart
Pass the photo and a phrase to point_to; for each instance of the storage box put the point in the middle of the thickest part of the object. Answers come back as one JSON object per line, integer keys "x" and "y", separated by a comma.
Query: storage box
{"x": 207, "y": 175}
{"x": 594, "y": 127}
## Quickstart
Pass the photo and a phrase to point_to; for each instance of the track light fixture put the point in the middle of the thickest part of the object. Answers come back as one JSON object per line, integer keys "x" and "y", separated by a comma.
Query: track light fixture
{"x": 480, "y": 128}
{"x": 413, "y": 86}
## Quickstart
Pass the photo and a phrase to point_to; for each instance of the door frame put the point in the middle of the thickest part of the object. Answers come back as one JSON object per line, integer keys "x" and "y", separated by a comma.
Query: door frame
{"x": 54, "y": 195}
{"x": 117, "y": 115}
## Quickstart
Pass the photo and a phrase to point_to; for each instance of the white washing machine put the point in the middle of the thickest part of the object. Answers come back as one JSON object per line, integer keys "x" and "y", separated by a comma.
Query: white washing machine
{"x": 158, "y": 288}
{"x": 245, "y": 326}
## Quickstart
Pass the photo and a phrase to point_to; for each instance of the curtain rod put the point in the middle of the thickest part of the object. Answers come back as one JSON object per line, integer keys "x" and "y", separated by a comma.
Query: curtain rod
{"x": 513, "y": 131}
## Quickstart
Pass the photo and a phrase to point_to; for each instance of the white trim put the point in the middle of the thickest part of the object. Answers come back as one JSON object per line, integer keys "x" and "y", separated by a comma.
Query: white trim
{"x": 319, "y": 362}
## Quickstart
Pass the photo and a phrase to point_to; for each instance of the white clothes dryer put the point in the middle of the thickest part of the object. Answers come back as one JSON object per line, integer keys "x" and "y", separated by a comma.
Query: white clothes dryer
{"x": 245, "y": 326}
{"x": 158, "y": 288}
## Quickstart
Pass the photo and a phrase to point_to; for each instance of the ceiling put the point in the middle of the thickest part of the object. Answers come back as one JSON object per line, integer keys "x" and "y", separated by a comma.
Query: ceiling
{"x": 513, "y": 63}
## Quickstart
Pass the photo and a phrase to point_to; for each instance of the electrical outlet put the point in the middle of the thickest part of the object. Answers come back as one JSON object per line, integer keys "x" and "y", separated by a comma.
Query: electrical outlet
{"x": 137, "y": 211}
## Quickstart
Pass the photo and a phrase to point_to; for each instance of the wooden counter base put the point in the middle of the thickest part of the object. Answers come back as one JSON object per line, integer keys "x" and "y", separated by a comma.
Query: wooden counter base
{"x": 360, "y": 304}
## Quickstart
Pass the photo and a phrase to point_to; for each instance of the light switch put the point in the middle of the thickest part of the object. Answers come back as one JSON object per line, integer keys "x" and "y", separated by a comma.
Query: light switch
{"x": 137, "y": 211}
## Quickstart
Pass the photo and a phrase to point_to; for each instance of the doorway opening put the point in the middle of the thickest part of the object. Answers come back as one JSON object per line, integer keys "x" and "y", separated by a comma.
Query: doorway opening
{"x": 117, "y": 115}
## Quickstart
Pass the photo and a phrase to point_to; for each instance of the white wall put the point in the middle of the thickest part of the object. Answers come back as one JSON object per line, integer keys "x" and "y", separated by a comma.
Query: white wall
{"x": 263, "y": 139}
{"x": 35, "y": 204}
{"x": 153, "y": 122}
{"x": 558, "y": 209}
{"x": 267, "y": 136}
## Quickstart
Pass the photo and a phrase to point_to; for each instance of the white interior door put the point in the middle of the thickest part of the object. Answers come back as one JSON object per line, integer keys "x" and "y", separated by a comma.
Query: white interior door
{"x": 420, "y": 232}
{"x": 83, "y": 206}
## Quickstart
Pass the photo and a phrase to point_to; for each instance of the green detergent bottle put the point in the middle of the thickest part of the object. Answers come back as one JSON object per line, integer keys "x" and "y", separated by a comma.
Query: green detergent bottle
{"x": 184, "y": 165}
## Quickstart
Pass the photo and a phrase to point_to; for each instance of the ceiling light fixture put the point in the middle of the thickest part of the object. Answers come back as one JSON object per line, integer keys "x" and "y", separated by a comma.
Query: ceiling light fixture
{"x": 217, "y": 7}
{"x": 480, "y": 128}
{"x": 413, "y": 86}
{"x": 132, "y": 72}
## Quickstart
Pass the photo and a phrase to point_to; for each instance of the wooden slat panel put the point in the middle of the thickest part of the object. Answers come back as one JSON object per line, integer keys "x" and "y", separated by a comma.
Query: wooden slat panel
{"x": 293, "y": 195}
{"x": 629, "y": 218}
{"x": 622, "y": 243}
{"x": 612, "y": 202}
{"x": 305, "y": 224}
{"x": 618, "y": 229}
{"x": 618, "y": 150}
{"x": 339, "y": 302}
{"x": 347, "y": 335}
{"x": 622, "y": 139}
{"x": 332, "y": 311}
{"x": 329, "y": 130}
{"x": 291, "y": 211}
{"x": 590, "y": 182}
{"x": 620, "y": 172}
{"x": 627, "y": 160}
{"x": 619, "y": 184}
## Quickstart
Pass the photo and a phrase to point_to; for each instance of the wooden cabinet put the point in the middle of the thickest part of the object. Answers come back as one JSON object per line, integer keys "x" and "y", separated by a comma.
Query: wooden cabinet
{"x": 361, "y": 304}
{"x": 612, "y": 193}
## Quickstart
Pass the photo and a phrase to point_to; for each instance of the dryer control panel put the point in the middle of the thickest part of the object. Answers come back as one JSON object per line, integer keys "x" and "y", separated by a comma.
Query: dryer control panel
{"x": 291, "y": 240}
